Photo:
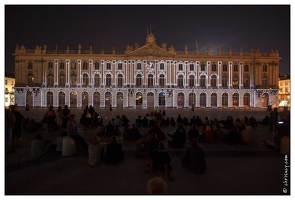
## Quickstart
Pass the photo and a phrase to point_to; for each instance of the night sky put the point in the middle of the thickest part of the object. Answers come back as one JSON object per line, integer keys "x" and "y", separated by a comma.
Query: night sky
{"x": 241, "y": 26}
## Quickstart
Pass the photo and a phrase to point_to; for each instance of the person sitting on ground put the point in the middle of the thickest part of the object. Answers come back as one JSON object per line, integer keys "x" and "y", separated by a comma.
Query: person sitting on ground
{"x": 193, "y": 121}
{"x": 208, "y": 134}
{"x": 142, "y": 150}
{"x": 178, "y": 138}
{"x": 39, "y": 146}
{"x": 117, "y": 130}
{"x": 194, "y": 158}
{"x": 247, "y": 135}
{"x": 157, "y": 185}
{"x": 109, "y": 129}
{"x": 73, "y": 132}
{"x": 160, "y": 161}
{"x": 172, "y": 121}
{"x": 114, "y": 152}
{"x": 152, "y": 122}
{"x": 253, "y": 121}
{"x": 233, "y": 136}
{"x": 219, "y": 134}
{"x": 239, "y": 124}
{"x": 193, "y": 132}
{"x": 185, "y": 121}
{"x": 117, "y": 121}
{"x": 158, "y": 131}
{"x": 138, "y": 122}
{"x": 153, "y": 143}
{"x": 179, "y": 119}
{"x": 134, "y": 133}
{"x": 126, "y": 132}
{"x": 145, "y": 122}
{"x": 95, "y": 151}
{"x": 167, "y": 121}
{"x": 266, "y": 120}
{"x": 59, "y": 141}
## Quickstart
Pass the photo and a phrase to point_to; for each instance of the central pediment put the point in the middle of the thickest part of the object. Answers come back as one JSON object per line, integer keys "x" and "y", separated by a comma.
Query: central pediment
{"x": 150, "y": 49}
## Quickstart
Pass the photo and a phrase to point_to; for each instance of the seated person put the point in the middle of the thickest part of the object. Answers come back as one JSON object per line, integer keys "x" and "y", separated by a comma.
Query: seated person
{"x": 145, "y": 122}
{"x": 194, "y": 158}
{"x": 233, "y": 136}
{"x": 178, "y": 138}
{"x": 193, "y": 132}
{"x": 73, "y": 132}
{"x": 157, "y": 185}
{"x": 160, "y": 161}
{"x": 219, "y": 134}
{"x": 39, "y": 146}
{"x": 134, "y": 133}
{"x": 158, "y": 131}
{"x": 248, "y": 136}
{"x": 59, "y": 141}
{"x": 142, "y": 150}
{"x": 208, "y": 134}
{"x": 138, "y": 122}
{"x": 109, "y": 129}
{"x": 114, "y": 152}
{"x": 95, "y": 151}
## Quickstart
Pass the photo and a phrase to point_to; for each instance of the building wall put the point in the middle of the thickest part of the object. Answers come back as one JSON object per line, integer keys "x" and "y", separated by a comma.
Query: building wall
{"x": 9, "y": 91}
{"x": 169, "y": 78}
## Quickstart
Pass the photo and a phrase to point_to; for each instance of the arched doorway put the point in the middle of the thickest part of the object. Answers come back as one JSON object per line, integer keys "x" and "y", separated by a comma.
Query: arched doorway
{"x": 73, "y": 99}
{"x": 108, "y": 99}
{"x": 138, "y": 99}
{"x": 192, "y": 100}
{"x": 247, "y": 99}
{"x": 180, "y": 100}
{"x": 61, "y": 99}
{"x": 49, "y": 99}
{"x": 84, "y": 99}
{"x": 150, "y": 100}
{"x": 29, "y": 99}
{"x": 213, "y": 100}
{"x": 202, "y": 100}
{"x": 96, "y": 100}
{"x": 265, "y": 100}
{"x": 236, "y": 99}
{"x": 162, "y": 99}
{"x": 119, "y": 100}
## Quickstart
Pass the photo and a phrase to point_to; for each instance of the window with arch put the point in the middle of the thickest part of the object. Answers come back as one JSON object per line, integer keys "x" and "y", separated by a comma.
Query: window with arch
{"x": 161, "y": 66}
{"x": 236, "y": 68}
{"x": 85, "y": 66}
{"x": 246, "y": 81}
{"x": 213, "y": 81}
{"x": 246, "y": 68}
{"x": 235, "y": 81}
{"x": 84, "y": 97}
{"x": 62, "y": 66}
{"x": 62, "y": 80}
{"x": 224, "y": 81}
{"x": 162, "y": 80}
{"x": 192, "y": 67}
{"x": 108, "y": 66}
{"x": 180, "y": 81}
{"x": 213, "y": 100}
{"x": 203, "y": 100}
{"x": 138, "y": 80}
{"x": 73, "y": 80}
{"x": 120, "y": 66}
{"x": 191, "y": 81}
{"x": 180, "y": 67}
{"x": 50, "y": 80}
{"x": 96, "y": 65}
{"x": 246, "y": 99}
{"x": 61, "y": 99}
{"x": 85, "y": 80}
{"x": 138, "y": 66}
{"x": 203, "y": 81}
{"x": 73, "y": 66}
{"x": 96, "y": 99}
{"x": 96, "y": 80}
{"x": 180, "y": 99}
{"x": 108, "y": 80}
{"x": 30, "y": 65}
{"x": 235, "y": 99}
{"x": 50, "y": 65}
{"x": 30, "y": 78}
{"x": 150, "y": 80}
{"x": 120, "y": 80}
{"x": 203, "y": 67}
{"x": 224, "y": 67}
{"x": 49, "y": 98}
{"x": 213, "y": 67}
{"x": 264, "y": 81}
{"x": 224, "y": 100}
{"x": 264, "y": 68}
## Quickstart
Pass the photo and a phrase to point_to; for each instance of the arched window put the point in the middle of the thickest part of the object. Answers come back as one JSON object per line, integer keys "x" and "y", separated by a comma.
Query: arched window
{"x": 62, "y": 80}
{"x": 213, "y": 81}
{"x": 246, "y": 81}
{"x": 120, "y": 80}
{"x": 150, "y": 80}
{"x": 108, "y": 80}
{"x": 191, "y": 81}
{"x": 49, "y": 98}
{"x": 50, "y": 80}
{"x": 225, "y": 99}
{"x": 203, "y": 81}
{"x": 246, "y": 99}
{"x": 85, "y": 80}
{"x": 213, "y": 100}
{"x": 180, "y": 81}
{"x": 96, "y": 80}
{"x": 30, "y": 79}
{"x": 96, "y": 100}
{"x": 138, "y": 81}
{"x": 61, "y": 99}
{"x": 235, "y": 81}
{"x": 235, "y": 99}
{"x": 162, "y": 80}
{"x": 162, "y": 99}
{"x": 73, "y": 99}
{"x": 73, "y": 80}
{"x": 84, "y": 99}
{"x": 180, "y": 99}
{"x": 203, "y": 100}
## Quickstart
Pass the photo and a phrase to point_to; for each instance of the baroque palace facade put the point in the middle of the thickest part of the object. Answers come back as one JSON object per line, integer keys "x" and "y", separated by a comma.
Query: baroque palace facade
{"x": 148, "y": 76}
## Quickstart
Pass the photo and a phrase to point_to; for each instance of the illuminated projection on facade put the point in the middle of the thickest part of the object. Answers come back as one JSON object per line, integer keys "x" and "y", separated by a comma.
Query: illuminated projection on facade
{"x": 145, "y": 76}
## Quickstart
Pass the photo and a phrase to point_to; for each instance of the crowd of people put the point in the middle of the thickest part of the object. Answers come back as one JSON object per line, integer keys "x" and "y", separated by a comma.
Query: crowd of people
{"x": 150, "y": 143}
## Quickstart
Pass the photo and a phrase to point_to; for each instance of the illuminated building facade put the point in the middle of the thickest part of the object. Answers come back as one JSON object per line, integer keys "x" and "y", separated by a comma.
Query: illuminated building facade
{"x": 9, "y": 89}
{"x": 148, "y": 76}
{"x": 284, "y": 92}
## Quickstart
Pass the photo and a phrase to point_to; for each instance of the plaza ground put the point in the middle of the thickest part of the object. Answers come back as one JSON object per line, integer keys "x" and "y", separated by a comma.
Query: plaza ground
{"x": 231, "y": 169}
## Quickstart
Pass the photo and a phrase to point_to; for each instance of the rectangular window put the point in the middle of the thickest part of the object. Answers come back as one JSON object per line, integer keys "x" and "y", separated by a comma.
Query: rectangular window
{"x": 96, "y": 66}
{"x": 120, "y": 66}
{"x": 85, "y": 66}
{"x": 286, "y": 90}
{"x": 50, "y": 65}
{"x": 224, "y": 68}
{"x": 214, "y": 68}
{"x": 6, "y": 99}
{"x": 73, "y": 66}
{"x": 202, "y": 67}
{"x": 162, "y": 66}
{"x": 264, "y": 68}
{"x": 61, "y": 65}
{"x": 192, "y": 67}
{"x": 5, "y": 82}
{"x": 236, "y": 68}
{"x": 30, "y": 65}
{"x": 138, "y": 66}
{"x": 180, "y": 67}
{"x": 108, "y": 66}
{"x": 246, "y": 68}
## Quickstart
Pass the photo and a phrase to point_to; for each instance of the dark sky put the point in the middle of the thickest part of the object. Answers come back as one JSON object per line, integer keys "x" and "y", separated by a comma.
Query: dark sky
{"x": 239, "y": 26}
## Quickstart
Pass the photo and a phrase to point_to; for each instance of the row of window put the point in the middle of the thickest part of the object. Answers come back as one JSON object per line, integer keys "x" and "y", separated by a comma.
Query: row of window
{"x": 162, "y": 100}
{"x": 96, "y": 66}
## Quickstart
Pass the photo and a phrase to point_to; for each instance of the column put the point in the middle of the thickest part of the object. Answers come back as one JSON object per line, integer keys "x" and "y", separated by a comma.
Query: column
{"x": 79, "y": 74}
{"x": 55, "y": 73}
{"x": 241, "y": 72}
{"x": 197, "y": 74}
{"x": 219, "y": 77}
{"x": 68, "y": 72}
{"x": 91, "y": 73}
{"x": 208, "y": 75}
{"x": 230, "y": 74}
